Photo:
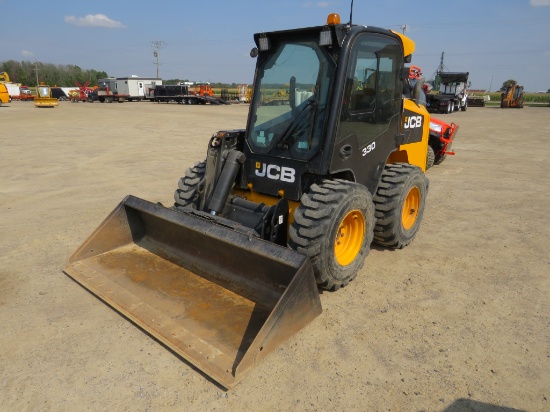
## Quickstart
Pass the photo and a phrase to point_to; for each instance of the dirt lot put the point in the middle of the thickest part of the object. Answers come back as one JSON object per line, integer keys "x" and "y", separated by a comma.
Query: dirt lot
{"x": 459, "y": 320}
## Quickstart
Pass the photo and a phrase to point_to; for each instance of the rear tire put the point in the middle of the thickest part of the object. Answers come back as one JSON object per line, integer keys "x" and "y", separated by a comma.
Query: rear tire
{"x": 334, "y": 226}
{"x": 439, "y": 159}
{"x": 430, "y": 158}
{"x": 399, "y": 203}
{"x": 190, "y": 187}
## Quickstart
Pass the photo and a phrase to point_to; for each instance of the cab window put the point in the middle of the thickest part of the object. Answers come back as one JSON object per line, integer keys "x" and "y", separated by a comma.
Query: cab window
{"x": 372, "y": 92}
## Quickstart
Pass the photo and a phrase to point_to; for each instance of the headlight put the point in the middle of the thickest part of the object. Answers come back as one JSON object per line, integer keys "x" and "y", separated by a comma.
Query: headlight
{"x": 435, "y": 127}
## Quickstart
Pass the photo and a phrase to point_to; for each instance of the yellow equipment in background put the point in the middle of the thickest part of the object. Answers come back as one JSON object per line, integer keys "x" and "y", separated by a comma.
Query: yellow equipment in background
{"x": 44, "y": 97}
{"x": 4, "y": 96}
{"x": 512, "y": 97}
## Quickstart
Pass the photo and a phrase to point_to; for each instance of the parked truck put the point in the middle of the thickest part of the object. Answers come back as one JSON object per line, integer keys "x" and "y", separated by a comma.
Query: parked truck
{"x": 25, "y": 94}
{"x": 201, "y": 89}
{"x": 451, "y": 93}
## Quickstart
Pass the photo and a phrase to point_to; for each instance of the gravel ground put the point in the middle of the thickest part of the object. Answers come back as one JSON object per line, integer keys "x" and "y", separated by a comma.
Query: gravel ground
{"x": 459, "y": 320}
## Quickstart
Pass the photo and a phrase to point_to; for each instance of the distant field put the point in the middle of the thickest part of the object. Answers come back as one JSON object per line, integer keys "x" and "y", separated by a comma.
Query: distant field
{"x": 530, "y": 98}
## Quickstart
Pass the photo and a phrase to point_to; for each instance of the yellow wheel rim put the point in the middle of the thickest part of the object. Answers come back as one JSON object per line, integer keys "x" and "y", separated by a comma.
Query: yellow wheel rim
{"x": 411, "y": 207}
{"x": 349, "y": 237}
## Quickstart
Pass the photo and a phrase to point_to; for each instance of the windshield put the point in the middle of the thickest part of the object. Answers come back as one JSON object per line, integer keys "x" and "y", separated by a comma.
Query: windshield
{"x": 290, "y": 99}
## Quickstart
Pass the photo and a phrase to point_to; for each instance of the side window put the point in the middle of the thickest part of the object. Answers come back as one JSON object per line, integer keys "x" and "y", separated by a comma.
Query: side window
{"x": 372, "y": 93}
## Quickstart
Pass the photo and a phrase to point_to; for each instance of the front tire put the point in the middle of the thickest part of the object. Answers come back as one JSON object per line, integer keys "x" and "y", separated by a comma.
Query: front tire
{"x": 190, "y": 187}
{"x": 334, "y": 226}
{"x": 399, "y": 202}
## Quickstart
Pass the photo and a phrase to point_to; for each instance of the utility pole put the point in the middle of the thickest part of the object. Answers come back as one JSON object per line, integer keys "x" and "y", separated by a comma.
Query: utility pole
{"x": 441, "y": 65}
{"x": 36, "y": 71}
{"x": 157, "y": 44}
{"x": 439, "y": 70}
{"x": 404, "y": 28}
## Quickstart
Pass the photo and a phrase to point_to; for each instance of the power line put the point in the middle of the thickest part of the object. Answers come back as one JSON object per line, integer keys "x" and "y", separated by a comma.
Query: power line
{"x": 485, "y": 23}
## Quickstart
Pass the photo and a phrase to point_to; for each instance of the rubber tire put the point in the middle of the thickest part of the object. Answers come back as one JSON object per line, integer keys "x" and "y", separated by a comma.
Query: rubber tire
{"x": 317, "y": 222}
{"x": 190, "y": 186}
{"x": 439, "y": 159}
{"x": 430, "y": 158}
{"x": 397, "y": 180}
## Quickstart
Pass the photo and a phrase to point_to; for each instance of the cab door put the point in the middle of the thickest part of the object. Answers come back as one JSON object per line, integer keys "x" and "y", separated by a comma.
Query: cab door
{"x": 370, "y": 115}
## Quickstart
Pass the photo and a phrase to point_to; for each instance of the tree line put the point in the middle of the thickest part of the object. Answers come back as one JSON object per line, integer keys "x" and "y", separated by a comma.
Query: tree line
{"x": 66, "y": 74}
{"x": 27, "y": 73}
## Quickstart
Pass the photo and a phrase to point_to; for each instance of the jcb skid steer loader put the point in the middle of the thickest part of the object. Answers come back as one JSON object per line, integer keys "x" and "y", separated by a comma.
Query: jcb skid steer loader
{"x": 289, "y": 204}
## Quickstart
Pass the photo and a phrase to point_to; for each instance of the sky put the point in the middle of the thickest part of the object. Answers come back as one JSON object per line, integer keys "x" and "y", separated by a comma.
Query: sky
{"x": 210, "y": 40}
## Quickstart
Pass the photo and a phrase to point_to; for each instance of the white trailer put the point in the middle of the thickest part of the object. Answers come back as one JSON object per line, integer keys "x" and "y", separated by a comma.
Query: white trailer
{"x": 13, "y": 89}
{"x": 135, "y": 86}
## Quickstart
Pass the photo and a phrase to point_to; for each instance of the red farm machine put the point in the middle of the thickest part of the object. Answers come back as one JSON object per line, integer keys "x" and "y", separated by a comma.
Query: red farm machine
{"x": 80, "y": 95}
{"x": 441, "y": 138}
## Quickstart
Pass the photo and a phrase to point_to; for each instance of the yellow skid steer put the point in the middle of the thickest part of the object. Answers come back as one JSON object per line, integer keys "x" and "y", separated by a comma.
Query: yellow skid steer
{"x": 44, "y": 97}
{"x": 277, "y": 210}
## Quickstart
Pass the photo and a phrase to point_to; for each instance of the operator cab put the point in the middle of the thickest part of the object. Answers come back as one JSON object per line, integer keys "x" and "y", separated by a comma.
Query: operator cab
{"x": 325, "y": 98}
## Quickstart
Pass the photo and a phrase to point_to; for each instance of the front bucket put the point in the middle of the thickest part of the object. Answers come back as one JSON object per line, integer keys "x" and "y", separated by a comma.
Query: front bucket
{"x": 46, "y": 102}
{"x": 214, "y": 294}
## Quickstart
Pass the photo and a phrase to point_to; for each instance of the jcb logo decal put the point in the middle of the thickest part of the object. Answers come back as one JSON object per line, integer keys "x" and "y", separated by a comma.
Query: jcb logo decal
{"x": 283, "y": 173}
{"x": 412, "y": 122}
